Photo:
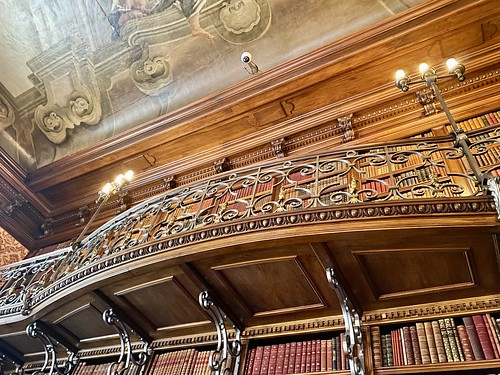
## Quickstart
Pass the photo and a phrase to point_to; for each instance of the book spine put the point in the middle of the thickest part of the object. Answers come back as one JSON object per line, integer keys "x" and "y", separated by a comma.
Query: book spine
{"x": 465, "y": 343}
{"x": 318, "y": 355}
{"x": 414, "y": 344}
{"x": 334, "y": 353}
{"x": 494, "y": 332}
{"x": 439, "y": 342}
{"x": 446, "y": 340}
{"x": 491, "y": 336}
{"x": 303, "y": 357}
{"x": 323, "y": 354}
{"x": 281, "y": 359}
{"x": 298, "y": 358}
{"x": 329, "y": 355}
{"x": 376, "y": 346}
{"x": 390, "y": 354}
{"x": 483, "y": 336}
{"x": 293, "y": 358}
{"x": 273, "y": 360}
{"x": 453, "y": 342}
{"x": 338, "y": 352}
{"x": 422, "y": 343}
{"x": 431, "y": 342}
{"x": 473, "y": 338}
{"x": 286, "y": 361}
{"x": 248, "y": 364}
{"x": 258, "y": 360}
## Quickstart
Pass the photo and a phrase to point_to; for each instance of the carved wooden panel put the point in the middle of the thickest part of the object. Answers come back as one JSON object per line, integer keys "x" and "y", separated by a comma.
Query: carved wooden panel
{"x": 165, "y": 303}
{"x": 265, "y": 285}
{"x": 403, "y": 272}
{"x": 85, "y": 323}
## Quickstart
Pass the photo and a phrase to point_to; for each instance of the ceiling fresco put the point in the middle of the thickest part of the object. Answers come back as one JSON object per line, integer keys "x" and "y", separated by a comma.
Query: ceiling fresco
{"x": 75, "y": 73}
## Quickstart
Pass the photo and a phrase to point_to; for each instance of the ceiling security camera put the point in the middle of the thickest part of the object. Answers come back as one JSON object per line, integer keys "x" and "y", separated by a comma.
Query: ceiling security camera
{"x": 246, "y": 57}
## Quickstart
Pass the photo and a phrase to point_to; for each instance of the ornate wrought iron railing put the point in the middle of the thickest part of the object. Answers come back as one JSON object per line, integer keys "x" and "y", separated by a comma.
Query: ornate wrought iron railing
{"x": 419, "y": 168}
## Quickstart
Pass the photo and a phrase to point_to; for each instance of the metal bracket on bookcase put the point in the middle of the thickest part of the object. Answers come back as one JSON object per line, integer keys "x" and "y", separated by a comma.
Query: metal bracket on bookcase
{"x": 40, "y": 331}
{"x": 493, "y": 184}
{"x": 225, "y": 359}
{"x": 353, "y": 339}
{"x": 126, "y": 361}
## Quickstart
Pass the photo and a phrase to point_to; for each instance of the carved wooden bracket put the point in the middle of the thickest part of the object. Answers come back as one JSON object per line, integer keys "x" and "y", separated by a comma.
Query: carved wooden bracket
{"x": 278, "y": 148}
{"x": 427, "y": 99}
{"x": 345, "y": 124}
{"x": 124, "y": 201}
{"x": 83, "y": 215}
{"x": 47, "y": 227}
{"x": 169, "y": 182}
{"x": 221, "y": 165}
{"x": 16, "y": 203}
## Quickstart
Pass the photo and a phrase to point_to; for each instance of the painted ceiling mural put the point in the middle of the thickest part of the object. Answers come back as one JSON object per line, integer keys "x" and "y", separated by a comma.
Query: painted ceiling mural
{"x": 77, "y": 72}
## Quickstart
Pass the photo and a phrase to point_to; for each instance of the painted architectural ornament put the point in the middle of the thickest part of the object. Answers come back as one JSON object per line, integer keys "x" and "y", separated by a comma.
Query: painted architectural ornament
{"x": 6, "y": 113}
{"x": 240, "y": 16}
{"x": 70, "y": 102}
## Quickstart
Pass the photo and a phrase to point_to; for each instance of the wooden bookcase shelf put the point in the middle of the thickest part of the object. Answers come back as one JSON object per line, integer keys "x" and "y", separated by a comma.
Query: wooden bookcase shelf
{"x": 450, "y": 368}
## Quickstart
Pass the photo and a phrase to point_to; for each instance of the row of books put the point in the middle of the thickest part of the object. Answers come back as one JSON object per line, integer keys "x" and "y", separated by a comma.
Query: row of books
{"x": 488, "y": 119}
{"x": 492, "y": 154}
{"x": 479, "y": 122}
{"x": 408, "y": 178}
{"x": 475, "y": 338}
{"x": 297, "y": 357}
{"x": 181, "y": 362}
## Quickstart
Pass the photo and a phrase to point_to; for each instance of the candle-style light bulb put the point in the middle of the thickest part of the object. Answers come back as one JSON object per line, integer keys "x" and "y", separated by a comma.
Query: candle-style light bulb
{"x": 451, "y": 64}
{"x": 423, "y": 68}
{"x": 129, "y": 175}
{"x": 106, "y": 189}
{"x": 400, "y": 74}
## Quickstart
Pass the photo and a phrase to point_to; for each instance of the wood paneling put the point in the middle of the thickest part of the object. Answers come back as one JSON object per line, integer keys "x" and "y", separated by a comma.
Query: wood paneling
{"x": 397, "y": 273}
{"x": 85, "y": 323}
{"x": 178, "y": 308}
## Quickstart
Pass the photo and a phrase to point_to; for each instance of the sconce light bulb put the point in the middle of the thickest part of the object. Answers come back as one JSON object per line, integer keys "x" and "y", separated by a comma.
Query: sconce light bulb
{"x": 423, "y": 68}
{"x": 106, "y": 189}
{"x": 451, "y": 64}
{"x": 120, "y": 180}
{"x": 400, "y": 74}
{"x": 129, "y": 175}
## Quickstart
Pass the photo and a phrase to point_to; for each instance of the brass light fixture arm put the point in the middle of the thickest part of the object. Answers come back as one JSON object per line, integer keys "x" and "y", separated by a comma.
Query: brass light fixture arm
{"x": 353, "y": 339}
{"x": 225, "y": 360}
{"x": 126, "y": 360}
{"x": 38, "y": 331}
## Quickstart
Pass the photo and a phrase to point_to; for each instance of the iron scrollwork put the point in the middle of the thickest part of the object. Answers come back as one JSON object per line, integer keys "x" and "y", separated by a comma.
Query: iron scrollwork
{"x": 225, "y": 359}
{"x": 50, "y": 363}
{"x": 353, "y": 339}
{"x": 126, "y": 361}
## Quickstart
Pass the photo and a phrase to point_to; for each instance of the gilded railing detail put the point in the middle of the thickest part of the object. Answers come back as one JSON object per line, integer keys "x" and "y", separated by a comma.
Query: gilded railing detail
{"x": 364, "y": 180}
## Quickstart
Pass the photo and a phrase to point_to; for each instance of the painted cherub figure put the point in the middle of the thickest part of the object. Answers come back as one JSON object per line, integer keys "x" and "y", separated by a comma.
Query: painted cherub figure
{"x": 124, "y": 10}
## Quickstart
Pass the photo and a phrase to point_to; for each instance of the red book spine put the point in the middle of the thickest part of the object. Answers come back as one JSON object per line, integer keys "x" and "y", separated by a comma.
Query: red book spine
{"x": 465, "y": 343}
{"x": 250, "y": 361}
{"x": 484, "y": 339}
{"x": 494, "y": 332}
{"x": 342, "y": 364}
{"x": 322, "y": 360}
{"x": 273, "y": 360}
{"x": 329, "y": 355}
{"x": 304, "y": 357}
{"x": 311, "y": 365}
{"x": 286, "y": 362}
{"x": 293, "y": 358}
{"x": 298, "y": 358}
{"x": 473, "y": 338}
{"x": 490, "y": 335}
{"x": 258, "y": 360}
{"x": 281, "y": 359}
{"x": 266, "y": 357}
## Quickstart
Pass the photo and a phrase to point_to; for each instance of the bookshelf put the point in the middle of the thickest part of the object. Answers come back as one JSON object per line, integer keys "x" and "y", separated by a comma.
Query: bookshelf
{"x": 445, "y": 344}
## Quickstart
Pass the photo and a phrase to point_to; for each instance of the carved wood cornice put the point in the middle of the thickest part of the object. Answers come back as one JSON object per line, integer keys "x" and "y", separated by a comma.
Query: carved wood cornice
{"x": 466, "y": 306}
